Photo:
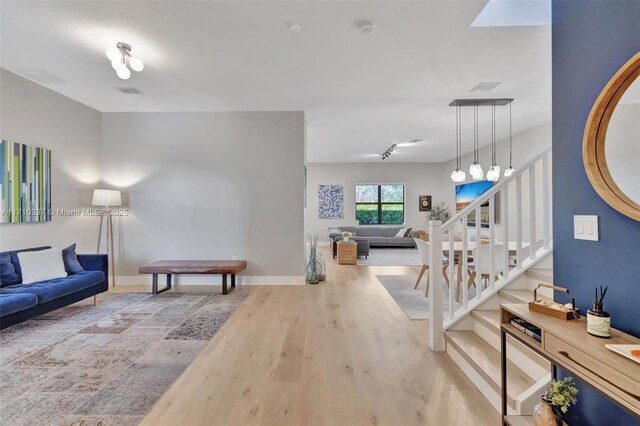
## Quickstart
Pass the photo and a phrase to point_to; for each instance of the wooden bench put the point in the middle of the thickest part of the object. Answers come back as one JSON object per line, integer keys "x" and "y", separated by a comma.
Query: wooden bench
{"x": 202, "y": 267}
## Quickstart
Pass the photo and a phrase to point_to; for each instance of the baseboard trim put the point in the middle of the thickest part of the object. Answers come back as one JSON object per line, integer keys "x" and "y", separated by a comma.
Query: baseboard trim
{"x": 125, "y": 280}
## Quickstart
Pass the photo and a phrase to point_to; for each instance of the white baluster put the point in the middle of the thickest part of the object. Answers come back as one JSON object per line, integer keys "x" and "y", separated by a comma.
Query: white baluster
{"x": 463, "y": 259}
{"x": 546, "y": 201}
{"x": 492, "y": 225}
{"x": 532, "y": 211}
{"x": 505, "y": 229}
{"x": 452, "y": 281}
{"x": 519, "y": 222}
{"x": 436, "y": 338}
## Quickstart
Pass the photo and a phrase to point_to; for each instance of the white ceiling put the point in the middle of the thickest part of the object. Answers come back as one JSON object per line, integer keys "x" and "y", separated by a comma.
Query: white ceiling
{"x": 360, "y": 93}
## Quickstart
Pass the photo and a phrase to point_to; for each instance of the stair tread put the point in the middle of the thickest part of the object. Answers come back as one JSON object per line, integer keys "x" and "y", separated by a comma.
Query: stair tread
{"x": 490, "y": 318}
{"x": 517, "y": 296}
{"x": 486, "y": 360}
{"x": 545, "y": 275}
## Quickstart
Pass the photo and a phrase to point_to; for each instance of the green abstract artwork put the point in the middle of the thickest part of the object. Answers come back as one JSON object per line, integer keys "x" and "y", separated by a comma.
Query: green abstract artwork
{"x": 25, "y": 183}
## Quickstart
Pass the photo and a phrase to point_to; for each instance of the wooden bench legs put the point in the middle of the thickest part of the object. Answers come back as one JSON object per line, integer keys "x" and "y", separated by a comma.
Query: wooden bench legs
{"x": 154, "y": 284}
{"x": 225, "y": 290}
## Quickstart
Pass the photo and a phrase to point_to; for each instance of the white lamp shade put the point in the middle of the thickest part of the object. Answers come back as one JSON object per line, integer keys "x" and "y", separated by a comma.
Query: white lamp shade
{"x": 508, "y": 172}
{"x": 475, "y": 170}
{"x": 114, "y": 54}
{"x": 458, "y": 176}
{"x": 107, "y": 197}
{"x": 136, "y": 64}
{"x": 493, "y": 174}
{"x": 123, "y": 72}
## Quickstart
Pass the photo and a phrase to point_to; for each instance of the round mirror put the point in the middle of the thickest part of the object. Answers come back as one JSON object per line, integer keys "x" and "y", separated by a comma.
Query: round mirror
{"x": 622, "y": 143}
{"x": 611, "y": 147}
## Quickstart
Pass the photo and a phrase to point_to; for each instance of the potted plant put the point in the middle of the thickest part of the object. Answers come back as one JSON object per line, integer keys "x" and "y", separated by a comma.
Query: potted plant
{"x": 440, "y": 212}
{"x": 346, "y": 235}
{"x": 560, "y": 395}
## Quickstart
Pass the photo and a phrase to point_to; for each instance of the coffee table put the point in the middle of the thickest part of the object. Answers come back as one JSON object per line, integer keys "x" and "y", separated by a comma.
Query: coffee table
{"x": 201, "y": 267}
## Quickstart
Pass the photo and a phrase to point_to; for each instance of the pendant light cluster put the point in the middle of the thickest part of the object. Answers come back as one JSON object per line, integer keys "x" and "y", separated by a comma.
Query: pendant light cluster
{"x": 475, "y": 170}
{"x": 120, "y": 56}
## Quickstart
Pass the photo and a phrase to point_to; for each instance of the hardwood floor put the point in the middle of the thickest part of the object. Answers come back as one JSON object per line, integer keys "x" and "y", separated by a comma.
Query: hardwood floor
{"x": 338, "y": 353}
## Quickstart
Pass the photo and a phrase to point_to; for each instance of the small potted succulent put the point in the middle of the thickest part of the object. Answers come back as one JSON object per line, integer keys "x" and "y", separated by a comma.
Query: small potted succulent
{"x": 560, "y": 396}
{"x": 346, "y": 235}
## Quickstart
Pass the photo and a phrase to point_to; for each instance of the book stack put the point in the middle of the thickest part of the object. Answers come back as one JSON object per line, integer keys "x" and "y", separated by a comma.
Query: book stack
{"x": 527, "y": 328}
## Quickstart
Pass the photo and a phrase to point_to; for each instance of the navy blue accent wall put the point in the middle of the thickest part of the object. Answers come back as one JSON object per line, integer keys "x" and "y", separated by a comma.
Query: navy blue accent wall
{"x": 591, "y": 40}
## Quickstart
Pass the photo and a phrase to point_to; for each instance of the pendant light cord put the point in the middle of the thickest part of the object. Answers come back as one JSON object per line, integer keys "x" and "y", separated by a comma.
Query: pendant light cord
{"x": 475, "y": 133}
{"x": 458, "y": 138}
{"x": 493, "y": 133}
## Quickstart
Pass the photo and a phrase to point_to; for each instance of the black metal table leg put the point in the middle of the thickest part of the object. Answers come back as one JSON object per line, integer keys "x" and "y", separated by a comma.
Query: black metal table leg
{"x": 233, "y": 281}
{"x": 154, "y": 285}
{"x": 224, "y": 283}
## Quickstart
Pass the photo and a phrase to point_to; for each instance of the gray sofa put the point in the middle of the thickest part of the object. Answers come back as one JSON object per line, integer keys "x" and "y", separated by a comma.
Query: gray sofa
{"x": 368, "y": 236}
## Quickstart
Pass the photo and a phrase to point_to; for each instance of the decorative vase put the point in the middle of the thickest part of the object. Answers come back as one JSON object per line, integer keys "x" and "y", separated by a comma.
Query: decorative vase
{"x": 323, "y": 266}
{"x": 545, "y": 414}
{"x": 345, "y": 239}
{"x": 313, "y": 268}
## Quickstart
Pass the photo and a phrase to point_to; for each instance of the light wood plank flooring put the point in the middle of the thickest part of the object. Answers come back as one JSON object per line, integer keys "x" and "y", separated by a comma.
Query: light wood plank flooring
{"x": 338, "y": 353}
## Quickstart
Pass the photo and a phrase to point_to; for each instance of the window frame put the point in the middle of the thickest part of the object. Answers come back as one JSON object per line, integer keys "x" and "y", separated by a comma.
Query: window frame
{"x": 380, "y": 203}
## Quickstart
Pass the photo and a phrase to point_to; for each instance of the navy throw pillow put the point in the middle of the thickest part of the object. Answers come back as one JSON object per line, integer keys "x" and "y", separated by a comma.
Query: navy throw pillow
{"x": 71, "y": 263}
{"x": 8, "y": 274}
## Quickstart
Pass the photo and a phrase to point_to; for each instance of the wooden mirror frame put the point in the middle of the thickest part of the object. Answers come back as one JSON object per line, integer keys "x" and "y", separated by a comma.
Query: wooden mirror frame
{"x": 595, "y": 131}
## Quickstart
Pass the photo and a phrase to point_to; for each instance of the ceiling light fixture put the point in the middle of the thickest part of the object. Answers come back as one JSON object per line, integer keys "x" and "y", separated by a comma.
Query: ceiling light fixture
{"x": 389, "y": 151}
{"x": 120, "y": 56}
{"x": 458, "y": 175}
{"x": 493, "y": 174}
{"x": 475, "y": 170}
{"x": 508, "y": 172}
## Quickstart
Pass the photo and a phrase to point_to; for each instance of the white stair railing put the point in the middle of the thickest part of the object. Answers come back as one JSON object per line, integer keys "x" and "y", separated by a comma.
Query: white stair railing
{"x": 523, "y": 233}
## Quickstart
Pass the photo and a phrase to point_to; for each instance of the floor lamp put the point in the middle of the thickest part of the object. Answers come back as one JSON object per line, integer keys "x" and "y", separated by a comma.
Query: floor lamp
{"x": 107, "y": 198}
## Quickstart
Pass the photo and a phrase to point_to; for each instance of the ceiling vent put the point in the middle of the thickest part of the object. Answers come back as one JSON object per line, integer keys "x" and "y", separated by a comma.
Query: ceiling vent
{"x": 485, "y": 86}
{"x": 129, "y": 90}
{"x": 42, "y": 76}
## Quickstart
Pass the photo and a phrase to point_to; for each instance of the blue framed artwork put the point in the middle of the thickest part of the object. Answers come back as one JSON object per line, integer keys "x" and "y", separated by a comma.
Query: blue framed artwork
{"x": 330, "y": 202}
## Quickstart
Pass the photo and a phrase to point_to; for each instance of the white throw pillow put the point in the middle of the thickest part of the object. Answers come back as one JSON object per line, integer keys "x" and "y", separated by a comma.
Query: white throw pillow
{"x": 401, "y": 232}
{"x": 41, "y": 265}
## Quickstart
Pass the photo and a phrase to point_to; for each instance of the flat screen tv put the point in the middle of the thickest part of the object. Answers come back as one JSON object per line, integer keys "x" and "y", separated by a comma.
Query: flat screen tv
{"x": 467, "y": 193}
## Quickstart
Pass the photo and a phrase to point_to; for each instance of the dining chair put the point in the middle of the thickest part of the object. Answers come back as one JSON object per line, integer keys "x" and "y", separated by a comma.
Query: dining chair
{"x": 423, "y": 252}
{"x": 482, "y": 264}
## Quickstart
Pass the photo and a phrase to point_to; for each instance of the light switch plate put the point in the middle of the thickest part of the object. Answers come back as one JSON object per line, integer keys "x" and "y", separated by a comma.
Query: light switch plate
{"x": 585, "y": 227}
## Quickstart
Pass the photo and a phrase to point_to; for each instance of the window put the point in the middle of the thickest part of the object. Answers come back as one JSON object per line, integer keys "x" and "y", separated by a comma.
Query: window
{"x": 380, "y": 204}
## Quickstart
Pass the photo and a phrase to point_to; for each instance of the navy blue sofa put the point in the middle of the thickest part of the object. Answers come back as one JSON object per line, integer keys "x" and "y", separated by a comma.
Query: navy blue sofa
{"x": 20, "y": 302}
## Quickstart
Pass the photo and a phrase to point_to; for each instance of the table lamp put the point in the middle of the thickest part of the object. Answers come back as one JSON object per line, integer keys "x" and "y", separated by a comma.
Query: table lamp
{"x": 107, "y": 198}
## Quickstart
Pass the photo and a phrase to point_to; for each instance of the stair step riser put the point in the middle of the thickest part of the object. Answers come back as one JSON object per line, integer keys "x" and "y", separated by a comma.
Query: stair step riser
{"x": 530, "y": 362}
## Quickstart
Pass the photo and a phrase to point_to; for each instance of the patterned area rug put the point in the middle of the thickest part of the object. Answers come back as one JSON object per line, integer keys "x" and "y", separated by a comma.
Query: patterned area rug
{"x": 105, "y": 365}
{"x": 413, "y": 302}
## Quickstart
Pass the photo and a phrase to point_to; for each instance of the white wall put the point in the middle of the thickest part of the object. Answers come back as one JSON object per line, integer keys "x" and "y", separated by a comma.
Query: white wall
{"x": 418, "y": 178}
{"x": 35, "y": 115}
{"x": 208, "y": 185}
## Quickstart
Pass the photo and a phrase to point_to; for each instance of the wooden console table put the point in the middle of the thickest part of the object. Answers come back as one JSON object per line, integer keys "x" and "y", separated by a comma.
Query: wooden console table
{"x": 567, "y": 344}
{"x": 203, "y": 267}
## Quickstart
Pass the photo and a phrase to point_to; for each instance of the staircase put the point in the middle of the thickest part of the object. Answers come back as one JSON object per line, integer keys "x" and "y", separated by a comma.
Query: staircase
{"x": 474, "y": 345}
{"x": 470, "y": 331}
